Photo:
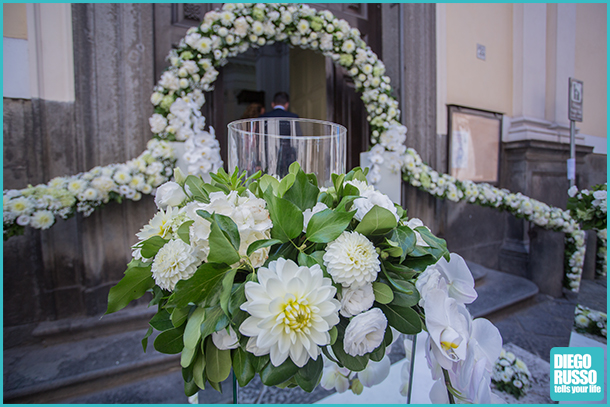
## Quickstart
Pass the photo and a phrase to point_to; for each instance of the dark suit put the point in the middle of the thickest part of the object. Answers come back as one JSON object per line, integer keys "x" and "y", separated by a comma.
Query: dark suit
{"x": 287, "y": 154}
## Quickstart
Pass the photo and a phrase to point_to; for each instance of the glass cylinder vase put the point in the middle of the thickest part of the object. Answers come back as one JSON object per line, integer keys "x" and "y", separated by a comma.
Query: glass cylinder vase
{"x": 272, "y": 144}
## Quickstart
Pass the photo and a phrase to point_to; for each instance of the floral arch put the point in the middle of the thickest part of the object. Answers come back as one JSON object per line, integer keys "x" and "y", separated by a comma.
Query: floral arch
{"x": 179, "y": 96}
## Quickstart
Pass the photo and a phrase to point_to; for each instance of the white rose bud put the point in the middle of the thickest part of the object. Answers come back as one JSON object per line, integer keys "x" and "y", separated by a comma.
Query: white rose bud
{"x": 356, "y": 300}
{"x": 365, "y": 332}
{"x": 169, "y": 194}
{"x": 224, "y": 340}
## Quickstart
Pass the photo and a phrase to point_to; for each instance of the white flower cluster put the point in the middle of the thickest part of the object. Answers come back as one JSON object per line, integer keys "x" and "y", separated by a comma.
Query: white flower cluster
{"x": 601, "y": 263}
{"x": 511, "y": 374}
{"x": 38, "y": 206}
{"x": 445, "y": 186}
{"x": 466, "y": 348}
{"x": 231, "y": 31}
{"x": 179, "y": 260}
{"x": 591, "y": 321}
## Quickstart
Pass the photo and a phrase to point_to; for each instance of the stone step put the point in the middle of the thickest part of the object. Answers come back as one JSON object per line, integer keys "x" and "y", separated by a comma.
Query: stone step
{"x": 498, "y": 291}
{"x": 48, "y": 374}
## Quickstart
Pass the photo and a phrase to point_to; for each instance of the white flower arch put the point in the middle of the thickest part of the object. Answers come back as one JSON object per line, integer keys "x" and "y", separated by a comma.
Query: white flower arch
{"x": 179, "y": 96}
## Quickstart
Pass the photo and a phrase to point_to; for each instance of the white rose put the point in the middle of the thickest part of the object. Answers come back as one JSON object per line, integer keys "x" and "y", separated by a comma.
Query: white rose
{"x": 224, "y": 340}
{"x": 365, "y": 332}
{"x": 158, "y": 123}
{"x": 356, "y": 300}
{"x": 169, "y": 194}
{"x": 370, "y": 199}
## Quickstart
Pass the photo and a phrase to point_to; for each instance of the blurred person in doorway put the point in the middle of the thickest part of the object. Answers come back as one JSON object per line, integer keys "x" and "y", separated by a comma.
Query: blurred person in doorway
{"x": 253, "y": 110}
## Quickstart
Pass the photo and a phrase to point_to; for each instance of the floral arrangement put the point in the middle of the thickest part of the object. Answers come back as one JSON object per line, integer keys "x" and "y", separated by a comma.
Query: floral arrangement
{"x": 445, "y": 186}
{"x": 38, "y": 206}
{"x": 511, "y": 375}
{"x": 590, "y": 321}
{"x": 590, "y": 209}
{"x": 270, "y": 277}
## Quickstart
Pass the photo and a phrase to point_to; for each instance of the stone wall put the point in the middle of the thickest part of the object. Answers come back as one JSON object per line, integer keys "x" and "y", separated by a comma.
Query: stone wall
{"x": 66, "y": 271}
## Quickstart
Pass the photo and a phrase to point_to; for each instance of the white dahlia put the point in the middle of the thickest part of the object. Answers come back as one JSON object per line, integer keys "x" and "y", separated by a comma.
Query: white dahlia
{"x": 175, "y": 261}
{"x": 365, "y": 332}
{"x": 351, "y": 260}
{"x": 292, "y": 309}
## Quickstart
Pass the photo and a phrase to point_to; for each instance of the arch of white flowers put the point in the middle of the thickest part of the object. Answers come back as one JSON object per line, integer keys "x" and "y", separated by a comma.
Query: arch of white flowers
{"x": 178, "y": 98}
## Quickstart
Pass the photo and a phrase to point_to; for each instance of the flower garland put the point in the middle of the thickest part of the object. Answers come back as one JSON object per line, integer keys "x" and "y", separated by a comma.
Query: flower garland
{"x": 511, "y": 375}
{"x": 445, "y": 186}
{"x": 590, "y": 321}
{"x": 62, "y": 197}
{"x": 225, "y": 33}
{"x": 590, "y": 209}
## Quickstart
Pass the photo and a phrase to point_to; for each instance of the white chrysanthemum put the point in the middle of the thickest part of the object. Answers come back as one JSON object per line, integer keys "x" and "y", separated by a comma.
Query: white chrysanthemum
{"x": 20, "y": 206}
{"x": 351, "y": 260}
{"x": 175, "y": 261}
{"x": 365, "y": 332}
{"x": 581, "y": 321}
{"x": 292, "y": 309}
{"x": 160, "y": 225}
{"x": 356, "y": 300}
{"x": 42, "y": 219}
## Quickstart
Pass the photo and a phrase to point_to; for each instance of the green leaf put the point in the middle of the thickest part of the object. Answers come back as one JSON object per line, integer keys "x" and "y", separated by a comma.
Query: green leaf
{"x": 151, "y": 246}
{"x": 403, "y": 319}
{"x": 133, "y": 285}
{"x": 228, "y": 228}
{"x": 267, "y": 181}
{"x": 404, "y": 272}
{"x": 190, "y": 388}
{"x": 199, "y": 286}
{"x": 338, "y": 183}
{"x": 217, "y": 362}
{"x": 287, "y": 218}
{"x": 326, "y": 199}
{"x": 161, "y": 321}
{"x": 405, "y": 300}
{"x": 198, "y": 370}
{"x": 195, "y": 187}
{"x": 274, "y": 375}
{"x": 187, "y": 356}
{"x": 179, "y": 315}
{"x": 242, "y": 366}
{"x": 406, "y": 238}
{"x": 259, "y": 244}
{"x": 345, "y": 203}
{"x": 214, "y": 321}
{"x": 260, "y": 363}
{"x": 302, "y": 193}
{"x": 183, "y": 231}
{"x": 157, "y": 296}
{"x": 419, "y": 263}
{"x": 285, "y": 184}
{"x": 327, "y": 225}
{"x": 333, "y": 335}
{"x": 221, "y": 249}
{"x": 383, "y": 293}
{"x": 145, "y": 339}
{"x": 294, "y": 168}
{"x": 170, "y": 341}
{"x": 435, "y": 242}
{"x": 379, "y": 353}
{"x": 216, "y": 386}
{"x": 309, "y": 375}
{"x": 378, "y": 221}
{"x": 225, "y": 295}
{"x": 192, "y": 333}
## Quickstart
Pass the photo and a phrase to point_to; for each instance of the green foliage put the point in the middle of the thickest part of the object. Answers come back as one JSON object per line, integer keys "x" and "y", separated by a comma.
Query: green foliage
{"x": 377, "y": 221}
{"x": 133, "y": 285}
{"x": 205, "y": 280}
{"x": 327, "y": 225}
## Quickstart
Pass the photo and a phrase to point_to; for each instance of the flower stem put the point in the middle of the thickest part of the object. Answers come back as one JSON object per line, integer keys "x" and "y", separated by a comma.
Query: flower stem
{"x": 448, "y": 385}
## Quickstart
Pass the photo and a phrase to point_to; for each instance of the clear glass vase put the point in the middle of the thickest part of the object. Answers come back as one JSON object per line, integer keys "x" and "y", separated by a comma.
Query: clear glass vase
{"x": 272, "y": 144}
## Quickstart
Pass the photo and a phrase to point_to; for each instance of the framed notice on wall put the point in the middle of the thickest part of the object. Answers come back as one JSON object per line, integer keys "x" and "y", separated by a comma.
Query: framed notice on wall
{"x": 474, "y": 144}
